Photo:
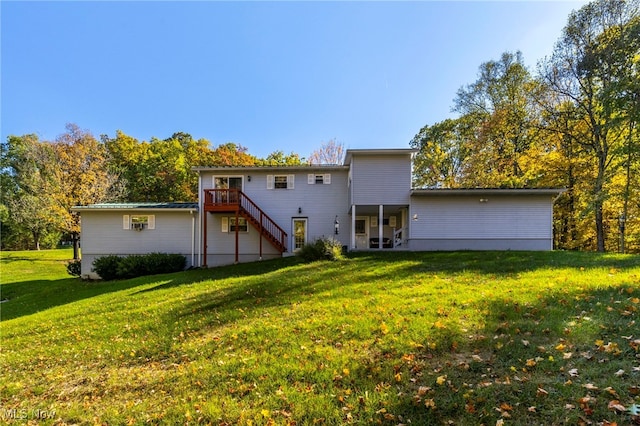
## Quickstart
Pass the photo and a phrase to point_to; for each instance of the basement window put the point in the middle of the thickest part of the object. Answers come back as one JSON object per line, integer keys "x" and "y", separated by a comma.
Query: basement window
{"x": 229, "y": 224}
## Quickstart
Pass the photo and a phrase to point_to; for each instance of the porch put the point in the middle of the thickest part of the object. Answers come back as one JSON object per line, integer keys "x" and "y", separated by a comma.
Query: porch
{"x": 379, "y": 227}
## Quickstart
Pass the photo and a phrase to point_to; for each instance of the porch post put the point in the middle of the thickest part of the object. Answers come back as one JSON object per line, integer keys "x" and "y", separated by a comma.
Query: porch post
{"x": 261, "y": 231}
{"x": 353, "y": 227}
{"x": 204, "y": 240}
{"x": 237, "y": 234}
{"x": 380, "y": 226}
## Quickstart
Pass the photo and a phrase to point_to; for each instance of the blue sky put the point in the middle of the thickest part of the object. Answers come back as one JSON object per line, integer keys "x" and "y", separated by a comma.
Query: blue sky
{"x": 266, "y": 75}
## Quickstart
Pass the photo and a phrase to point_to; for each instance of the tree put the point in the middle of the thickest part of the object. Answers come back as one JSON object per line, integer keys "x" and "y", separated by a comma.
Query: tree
{"x": 82, "y": 175}
{"x": 330, "y": 152}
{"x": 279, "y": 158}
{"x": 582, "y": 78}
{"x": 442, "y": 152}
{"x": 500, "y": 105}
{"x": 28, "y": 189}
{"x": 161, "y": 170}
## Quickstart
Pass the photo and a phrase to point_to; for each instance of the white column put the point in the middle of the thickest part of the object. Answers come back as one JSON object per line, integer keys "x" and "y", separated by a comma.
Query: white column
{"x": 380, "y": 225}
{"x": 353, "y": 227}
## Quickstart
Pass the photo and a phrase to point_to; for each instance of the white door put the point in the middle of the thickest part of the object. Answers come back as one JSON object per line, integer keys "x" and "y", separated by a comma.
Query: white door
{"x": 362, "y": 232}
{"x": 299, "y": 227}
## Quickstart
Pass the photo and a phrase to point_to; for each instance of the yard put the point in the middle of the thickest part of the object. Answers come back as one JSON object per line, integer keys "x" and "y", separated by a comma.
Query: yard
{"x": 391, "y": 338}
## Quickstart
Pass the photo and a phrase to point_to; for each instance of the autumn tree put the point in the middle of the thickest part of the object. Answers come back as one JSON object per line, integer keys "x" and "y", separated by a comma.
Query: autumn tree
{"x": 279, "y": 158}
{"x": 499, "y": 103}
{"x": 29, "y": 192}
{"x": 582, "y": 78}
{"x": 442, "y": 152}
{"x": 161, "y": 169}
{"x": 82, "y": 176}
{"x": 331, "y": 152}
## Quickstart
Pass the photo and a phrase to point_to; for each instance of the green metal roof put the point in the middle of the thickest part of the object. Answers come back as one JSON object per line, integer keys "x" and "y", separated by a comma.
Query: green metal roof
{"x": 138, "y": 206}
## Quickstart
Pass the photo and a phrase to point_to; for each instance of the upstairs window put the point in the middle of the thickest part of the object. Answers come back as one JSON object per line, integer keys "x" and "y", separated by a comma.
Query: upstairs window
{"x": 280, "y": 181}
{"x": 319, "y": 179}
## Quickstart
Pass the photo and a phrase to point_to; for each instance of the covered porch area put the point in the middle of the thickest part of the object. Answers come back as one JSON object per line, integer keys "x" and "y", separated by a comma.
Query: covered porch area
{"x": 379, "y": 227}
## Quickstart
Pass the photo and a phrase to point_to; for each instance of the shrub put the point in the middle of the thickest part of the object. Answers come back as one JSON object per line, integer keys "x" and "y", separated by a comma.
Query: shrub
{"x": 321, "y": 249}
{"x": 107, "y": 267}
{"x": 117, "y": 267}
{"x": 74, "y": 268}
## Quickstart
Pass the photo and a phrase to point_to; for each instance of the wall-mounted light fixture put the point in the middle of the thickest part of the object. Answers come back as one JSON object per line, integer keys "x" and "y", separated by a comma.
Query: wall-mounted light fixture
{"x": 484, "y": 200}
{"x": 415, "y": 217}
{"x": 299, "y": 210}
{"x": 249, "y": 178}
{"x": 336, "y": 226}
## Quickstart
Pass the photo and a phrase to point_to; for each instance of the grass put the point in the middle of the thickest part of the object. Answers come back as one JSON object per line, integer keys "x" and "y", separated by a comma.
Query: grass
{"x": 389, "y": 338}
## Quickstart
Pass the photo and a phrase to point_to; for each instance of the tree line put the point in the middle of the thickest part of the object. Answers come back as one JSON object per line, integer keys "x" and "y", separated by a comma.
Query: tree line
{"x": 42, "y": 180}
{"x": 573, "y": 123}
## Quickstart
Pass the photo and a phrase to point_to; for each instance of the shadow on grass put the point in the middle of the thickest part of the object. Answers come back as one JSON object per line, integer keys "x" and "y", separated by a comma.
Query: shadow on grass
{"x": 398, "y": 367}
{"x": 269, "y": 285}
{"x": 273, "y": 284}
{"x": 29, "y": 297}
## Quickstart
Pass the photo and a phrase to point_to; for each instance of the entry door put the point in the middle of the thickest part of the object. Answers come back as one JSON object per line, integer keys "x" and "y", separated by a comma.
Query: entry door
{"x": 362, "y": 232}
{"x": 299, "y": 233}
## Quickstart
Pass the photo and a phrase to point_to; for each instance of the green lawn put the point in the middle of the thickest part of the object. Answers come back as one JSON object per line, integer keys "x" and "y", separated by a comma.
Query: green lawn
{"x": 390, "y": 338}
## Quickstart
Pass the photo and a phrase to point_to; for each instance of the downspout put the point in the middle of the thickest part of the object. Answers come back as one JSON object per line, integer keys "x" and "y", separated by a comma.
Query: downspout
{"x": 200, "y": 211}
{"x": 193, "y": 238}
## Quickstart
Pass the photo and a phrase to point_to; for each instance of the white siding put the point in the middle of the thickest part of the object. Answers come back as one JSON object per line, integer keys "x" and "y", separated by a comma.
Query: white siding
{"x": 103, "y": 234}
{"x": 320, "y": 204}
{"x": 467, "y": 219}
{"x": 378, "y": 179}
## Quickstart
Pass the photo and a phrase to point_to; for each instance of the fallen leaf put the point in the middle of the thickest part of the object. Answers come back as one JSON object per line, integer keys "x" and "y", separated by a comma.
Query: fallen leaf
{"x": 441, "y": 379}
{"x": 619, "y": 373}
{"x": 615, "y": 405}
{"x": 573, "y": 372}
{"x": 590, "y": 386}
{"x": 422, "y": 390}
{"x": 506, "y": 407}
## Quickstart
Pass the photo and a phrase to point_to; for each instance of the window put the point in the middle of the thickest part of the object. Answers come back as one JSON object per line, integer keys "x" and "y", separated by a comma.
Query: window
{"x": 138, "y": 222}
{"x": 319, "y": 179}
{"x": 280, "y": 181}
{"x": 229, "y": 224}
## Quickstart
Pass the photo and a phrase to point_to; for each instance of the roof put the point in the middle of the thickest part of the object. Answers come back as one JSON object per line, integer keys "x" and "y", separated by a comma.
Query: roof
{"x": 249, "y": 169}
{"x": 137, "y": 206}
{"x": 381, "y": 152}
{"x": 486, "y": 191}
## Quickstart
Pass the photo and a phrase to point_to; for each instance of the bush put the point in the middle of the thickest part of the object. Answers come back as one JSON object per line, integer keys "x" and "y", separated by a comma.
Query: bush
{"x": 107, "y": 267}
{"x": 117, "y": 267}
{"x": 321, "y": 249}
{"x": 74, "y": 268}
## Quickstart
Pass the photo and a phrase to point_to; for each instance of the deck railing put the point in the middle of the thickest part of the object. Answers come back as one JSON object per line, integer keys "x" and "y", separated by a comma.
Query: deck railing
{"x": 234, "y": 199}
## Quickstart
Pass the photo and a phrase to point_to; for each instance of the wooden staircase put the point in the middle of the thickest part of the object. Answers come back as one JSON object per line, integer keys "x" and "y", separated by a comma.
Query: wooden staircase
{"x": 235, "y": 201}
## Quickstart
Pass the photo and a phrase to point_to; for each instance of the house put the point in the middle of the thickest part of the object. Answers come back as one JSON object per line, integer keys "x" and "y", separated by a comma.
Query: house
{"x": 250, "y": 213}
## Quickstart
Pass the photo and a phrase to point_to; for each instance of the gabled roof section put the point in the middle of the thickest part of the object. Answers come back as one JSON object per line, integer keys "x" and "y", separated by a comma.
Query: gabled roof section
{"x": 138, "y": 206}
{"x": 381, "y": 152}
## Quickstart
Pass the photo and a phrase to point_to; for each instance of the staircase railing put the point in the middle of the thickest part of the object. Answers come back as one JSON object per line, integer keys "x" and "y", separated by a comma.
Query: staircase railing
{"x": 231, "y": 199}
